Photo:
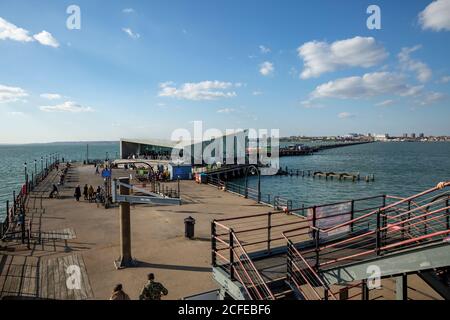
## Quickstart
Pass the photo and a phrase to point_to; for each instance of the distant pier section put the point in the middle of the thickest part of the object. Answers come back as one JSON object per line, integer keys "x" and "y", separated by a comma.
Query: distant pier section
{"x": 302, "y": 150}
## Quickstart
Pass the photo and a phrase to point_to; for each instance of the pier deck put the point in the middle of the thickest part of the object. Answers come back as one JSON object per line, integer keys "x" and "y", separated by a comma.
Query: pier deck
{"x": 87, "y": 236}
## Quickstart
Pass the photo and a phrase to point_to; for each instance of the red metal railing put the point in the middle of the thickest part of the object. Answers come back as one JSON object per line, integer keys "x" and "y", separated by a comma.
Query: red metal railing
{"x": 237, "y": 263}
{"x": 302, "y": 275}
{"x": 405, "y": 223}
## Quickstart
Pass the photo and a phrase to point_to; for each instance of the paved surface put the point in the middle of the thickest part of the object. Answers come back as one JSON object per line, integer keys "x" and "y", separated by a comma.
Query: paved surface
{"x": 81, "y": 234}
{"x": 88, "y": 235}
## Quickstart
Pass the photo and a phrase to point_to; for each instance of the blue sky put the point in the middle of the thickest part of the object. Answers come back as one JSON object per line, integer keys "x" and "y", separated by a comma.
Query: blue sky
{"x": 145, "y": 68}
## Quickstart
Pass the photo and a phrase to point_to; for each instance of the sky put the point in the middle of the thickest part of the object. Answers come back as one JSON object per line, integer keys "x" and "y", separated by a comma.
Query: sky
{"x": 141, "y": 69}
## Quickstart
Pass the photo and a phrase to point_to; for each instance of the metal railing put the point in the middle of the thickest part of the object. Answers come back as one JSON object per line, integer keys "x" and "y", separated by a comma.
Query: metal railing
{"x": 275, "y": 201}
{"x": 237, "y": 263}
{"x": 302, "y": 276}
{"x": 16, "y": 211}
{"x": 402, "y": 224}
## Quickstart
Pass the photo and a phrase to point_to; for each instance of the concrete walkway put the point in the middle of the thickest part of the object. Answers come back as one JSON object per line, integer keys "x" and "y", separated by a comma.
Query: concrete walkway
{"x": 158, "y": 243}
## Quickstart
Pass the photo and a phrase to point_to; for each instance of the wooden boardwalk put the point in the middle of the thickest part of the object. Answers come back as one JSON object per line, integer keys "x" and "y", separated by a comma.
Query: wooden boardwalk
{"x": 36, "y": 278}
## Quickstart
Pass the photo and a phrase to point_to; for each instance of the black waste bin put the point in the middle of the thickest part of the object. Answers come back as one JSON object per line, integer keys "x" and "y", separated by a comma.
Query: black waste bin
{"x": 189, "y": 223}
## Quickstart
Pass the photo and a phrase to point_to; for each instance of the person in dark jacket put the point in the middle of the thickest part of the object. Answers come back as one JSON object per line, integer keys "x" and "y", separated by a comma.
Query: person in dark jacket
{"x": 77, "y": 194}
{"x": 153, "y": 290}
{"x": 85, "y": 192}
{"x": 119, "y": 294}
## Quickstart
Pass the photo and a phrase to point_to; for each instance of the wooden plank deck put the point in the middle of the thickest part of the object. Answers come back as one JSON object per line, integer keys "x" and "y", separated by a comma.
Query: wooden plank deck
{"x": 57, "y": 281}
{"x": 35, "y": 278}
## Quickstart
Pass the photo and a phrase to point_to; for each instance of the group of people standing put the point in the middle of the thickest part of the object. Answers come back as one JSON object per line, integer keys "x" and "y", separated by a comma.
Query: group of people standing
{"x": 89, "y": 193}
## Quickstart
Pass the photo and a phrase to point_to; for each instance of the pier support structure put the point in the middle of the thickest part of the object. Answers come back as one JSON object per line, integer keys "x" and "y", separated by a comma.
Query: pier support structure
{"x": 401, "y": 287}
{"x": 125, "y": 259}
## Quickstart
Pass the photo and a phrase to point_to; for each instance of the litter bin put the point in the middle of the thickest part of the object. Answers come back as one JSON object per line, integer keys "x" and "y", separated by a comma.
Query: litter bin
{"x": 189, "y": 227}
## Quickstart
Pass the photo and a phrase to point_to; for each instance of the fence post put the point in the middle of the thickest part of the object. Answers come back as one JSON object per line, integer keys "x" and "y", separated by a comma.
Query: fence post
{"x": 231, "y": 246}
{"x": 213, "y": 244}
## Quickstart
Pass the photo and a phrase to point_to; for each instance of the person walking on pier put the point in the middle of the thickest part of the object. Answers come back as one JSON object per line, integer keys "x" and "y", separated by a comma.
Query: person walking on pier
{"x": 153, "y": 290}
{"x": 77, "y": 194}
{"x": 119, "y": 294}
{"x": 91, "y": 193}
{"x": 54, "y": 192}
{"x": 85, "y": 192}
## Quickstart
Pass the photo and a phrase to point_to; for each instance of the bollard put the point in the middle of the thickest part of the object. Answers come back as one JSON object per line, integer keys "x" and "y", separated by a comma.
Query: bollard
{"x": 189, "y": 224}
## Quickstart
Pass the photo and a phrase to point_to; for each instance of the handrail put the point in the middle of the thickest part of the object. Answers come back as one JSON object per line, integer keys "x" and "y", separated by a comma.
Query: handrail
{"x": 253, "y": 267}
{"x": 327, "y": 291}
{"x": 381, "y": 209}
{"x": 248, "y": 275}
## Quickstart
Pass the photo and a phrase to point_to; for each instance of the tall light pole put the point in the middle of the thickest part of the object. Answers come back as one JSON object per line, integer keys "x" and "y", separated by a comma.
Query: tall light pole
{"x": 26, "y": 177}
{"x": 42, "y": 165}
{"x": 35, "y": 167}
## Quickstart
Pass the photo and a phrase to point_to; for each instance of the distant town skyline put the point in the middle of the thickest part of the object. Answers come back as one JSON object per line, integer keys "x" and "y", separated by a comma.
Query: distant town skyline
{"x": 145, "y": 68}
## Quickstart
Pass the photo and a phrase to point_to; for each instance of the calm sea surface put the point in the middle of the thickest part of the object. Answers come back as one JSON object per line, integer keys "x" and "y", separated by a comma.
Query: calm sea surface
{"x": 400, "y": 168}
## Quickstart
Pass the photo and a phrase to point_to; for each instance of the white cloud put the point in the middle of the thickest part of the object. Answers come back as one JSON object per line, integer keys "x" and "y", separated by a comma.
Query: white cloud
{"x": 369, "y": 85}
{"x": 11, "y": 94}
{"x": 68, "y": 106}
{"x": 385, "y": 103}
{"x": 322, "y": 57}
{"x": 128, "y": 10}
{"x": 266, "y": 68}
{"x": 264, "y": 49}
{"x": 257, "y": 93}
{"x": 46, "y": 39}
{"x": 431, "y": 98}
{"x": 204, "y": 90}
{"x": 445, "y": 79}
{"x": 345, "y": 115}
{"x": 436, "y": 16}
{"x": 12, "y": 32}
{"x": 51, "y": 96}
{"x": 423, "y": 72}
{"x": 226, "y": 110}
{"x": 130, "y": 32}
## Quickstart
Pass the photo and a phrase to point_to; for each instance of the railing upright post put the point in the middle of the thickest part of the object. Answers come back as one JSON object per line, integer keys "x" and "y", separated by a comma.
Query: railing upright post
{"x": 14, "y": 203}
{"x": 213, "y": 244}
{"x": 231, "y": 246}
{"x": 409, "y": 214}
{"x": 289, "y": 262}
{"x": 269, "y": 230}
{"x": 352, "y": 215}
{"x": 365, "y": 290}
{"x": 316, "y": 238}
{"x": 448, "y": 214}
{"x": 377, "y": 233}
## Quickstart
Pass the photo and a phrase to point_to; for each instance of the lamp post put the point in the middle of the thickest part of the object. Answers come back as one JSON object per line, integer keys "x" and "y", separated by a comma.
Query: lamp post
{"x": 26, "y": 177}
{"x": 42, "y": 165}
{"x": 35, "y": 167}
